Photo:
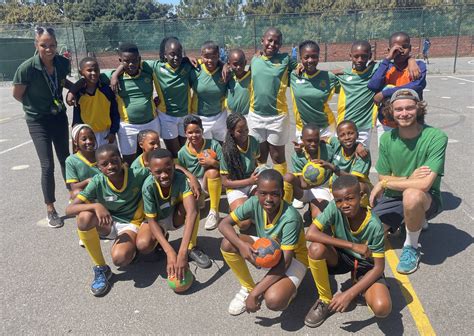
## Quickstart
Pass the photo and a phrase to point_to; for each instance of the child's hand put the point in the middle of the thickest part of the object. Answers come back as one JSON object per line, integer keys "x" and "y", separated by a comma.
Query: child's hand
{"x": 247, "y": 252}
{"x": 378, "y": 98}
{"x": 340, "y": 302}
{"x": 413, "y": 69}
{"x": 420, "y": 172}
{"x": 194, "y": 62}
{"x": 225, "y": 74}
{"x": 171, "y": 260}
{"x": 195, "y": 186}
{"x": 362, "y": 249}
{"x": 71, "y": 99}
{"x": 299, "y": 69}
{"x": 110, "y": 138}
{"x": 115, "y": 84}
{"x": 298, "y": 147}
{"x": 207, "y": 161}
{"x": 103, "y": 215}
{"x": 252, "y": 303}
{"x": 338, "y": 72}
{"x": 325, "y": 164}
{"x": 253, "y": 179}
{"x": 361, "y": 151}
{"x": 393, "y": 51}
{"x": 181, "y": 265}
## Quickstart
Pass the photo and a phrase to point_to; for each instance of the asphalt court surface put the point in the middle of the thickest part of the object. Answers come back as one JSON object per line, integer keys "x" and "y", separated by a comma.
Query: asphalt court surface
{"x": 46, "y": 275}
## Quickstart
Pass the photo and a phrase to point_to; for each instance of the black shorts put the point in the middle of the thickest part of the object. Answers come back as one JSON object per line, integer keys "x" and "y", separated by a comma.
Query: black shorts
{"x": 346, "y": 264}
{"x": 390, "y": 211}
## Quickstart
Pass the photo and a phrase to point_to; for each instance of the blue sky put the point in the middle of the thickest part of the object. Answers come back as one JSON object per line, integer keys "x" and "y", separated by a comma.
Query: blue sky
{"x": 171, "y": 2}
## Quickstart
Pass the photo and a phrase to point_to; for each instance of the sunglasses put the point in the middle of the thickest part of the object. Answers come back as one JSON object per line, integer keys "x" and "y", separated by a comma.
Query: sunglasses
{"x": 40, "y": 31}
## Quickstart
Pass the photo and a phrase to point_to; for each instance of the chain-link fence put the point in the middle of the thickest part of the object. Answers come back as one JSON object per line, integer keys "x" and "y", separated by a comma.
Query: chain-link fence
{"x": 449, "y": 28}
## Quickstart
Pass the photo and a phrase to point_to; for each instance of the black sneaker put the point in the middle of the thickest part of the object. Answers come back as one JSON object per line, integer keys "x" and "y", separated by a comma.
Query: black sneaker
{"x": 54, "y": 220}
{"x": 318, "y": 313}
{"x": 100, "y": 285}
{"x": 199, "y": 257}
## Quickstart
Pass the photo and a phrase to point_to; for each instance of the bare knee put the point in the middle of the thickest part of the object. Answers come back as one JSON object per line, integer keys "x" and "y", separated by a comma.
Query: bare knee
{"x": 413, "y": 198}
{"x": 145, "y": 246}
{"x": 317, "y": 251}
{"x": 212, "y": 173}
{"x": 85, "y": 220}
{"x": 289, "y": 177}
{"x": 381, "y": 307}
{"x": 122, "y": 257}
{"x": 226, "y": 246}
{"x": 274, "y": 301}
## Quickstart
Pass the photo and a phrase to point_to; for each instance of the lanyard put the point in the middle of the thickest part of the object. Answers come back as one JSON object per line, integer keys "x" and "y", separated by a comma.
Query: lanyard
{"x": 52, "y": 82}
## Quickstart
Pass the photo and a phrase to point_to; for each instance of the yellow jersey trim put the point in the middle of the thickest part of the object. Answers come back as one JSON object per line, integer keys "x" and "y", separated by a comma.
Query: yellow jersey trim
{"x": 378, "y": 255}
{"x": 161, "y": 191}
{"x": 83, "y": 159}
{"x": 150, "y": 215}
{"x": 206, "y": 70}
{"x": 341, "y": 106}
{"x": 248, "y": 145}
{"x": 72, "y": 181}
{"x": 318, "y": 224}
{"x": 186, "y": 194}
{"x": 281, "y": 105}
{"x": 82, "y": 198}
{"x": 139, "y": 214}
{"x": 125, "y": 181}
{"x": 296, "y": 112}
{"x": 234, "y": 217}
{"x": 364, "y": 223}
{"x": 277, "y": 217}
{"x": 190, "y": 150}
{"x": 288, "y": 247}
{"x": 243, "y": 77}
{"x": 311, "y": 76}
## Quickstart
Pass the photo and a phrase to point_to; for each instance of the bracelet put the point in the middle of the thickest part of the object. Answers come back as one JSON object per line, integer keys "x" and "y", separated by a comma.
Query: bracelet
{"x": 384, "y": 184}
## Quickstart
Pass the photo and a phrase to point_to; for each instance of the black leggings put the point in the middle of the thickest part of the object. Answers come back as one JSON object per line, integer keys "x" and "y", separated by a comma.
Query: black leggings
{"x": 43, "y": 132}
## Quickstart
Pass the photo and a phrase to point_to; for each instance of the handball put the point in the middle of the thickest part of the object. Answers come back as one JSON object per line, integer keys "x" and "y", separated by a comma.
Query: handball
{"x": 180, "y": 286}
{"x": 207, "y": 153}
{"x": 268, "y": 252}
{"x": 314, "y": 174}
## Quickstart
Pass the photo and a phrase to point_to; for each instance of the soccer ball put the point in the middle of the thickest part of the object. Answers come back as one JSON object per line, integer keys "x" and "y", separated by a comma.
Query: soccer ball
{"x": 180, "y": 286}
{"x": 207, "y": 153}
{"x": 314, "y": 174}
{"x": 268, "y": 252}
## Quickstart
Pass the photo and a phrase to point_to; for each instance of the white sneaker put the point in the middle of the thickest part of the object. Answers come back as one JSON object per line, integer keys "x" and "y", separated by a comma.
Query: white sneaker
{"x": 212, "y": 220}
{"x": 297, "y": 204}
{"x": 237, "y": 305}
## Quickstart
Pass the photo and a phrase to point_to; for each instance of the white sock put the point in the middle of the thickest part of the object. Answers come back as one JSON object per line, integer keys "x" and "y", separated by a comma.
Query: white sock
{"x": 412, "y": 238}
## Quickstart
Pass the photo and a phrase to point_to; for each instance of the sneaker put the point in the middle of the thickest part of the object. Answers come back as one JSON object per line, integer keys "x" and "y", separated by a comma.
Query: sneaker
{"x": 318, "y": 313}
{"x": 297, "y": 204}
{"x": 237, "y": 305}
{"x": 54, "y": 220}
{"x": 100, "y": 286}
{"x": 199, "y": 257}
{"x": 212, "y": 220}
{"x": 409, "y": 260}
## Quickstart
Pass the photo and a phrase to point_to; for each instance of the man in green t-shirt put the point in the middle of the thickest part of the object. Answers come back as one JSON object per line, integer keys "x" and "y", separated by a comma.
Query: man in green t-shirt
{"x": 410, "y": 166}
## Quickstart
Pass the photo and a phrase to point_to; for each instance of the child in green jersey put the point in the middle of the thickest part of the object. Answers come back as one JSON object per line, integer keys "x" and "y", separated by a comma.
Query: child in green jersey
{"x": 201, "y": 158}
{"x": 238, "y": 98}
{"x": 240, "y": 153}
{"x": 316, "y": 150}
{"x": 268, "y": 113}
{"x": 169, "y": 204}
{"x": 273, "y": 219}
{"x": 116, "y": 213}
{"x": 147, "y": 140}
{"x": 311, "y": 92}
{"x": 81, "y": 166}
{"x": 356, "y": 245}
{"x": 209, "y": 91}
{"x": 347, "y": 156}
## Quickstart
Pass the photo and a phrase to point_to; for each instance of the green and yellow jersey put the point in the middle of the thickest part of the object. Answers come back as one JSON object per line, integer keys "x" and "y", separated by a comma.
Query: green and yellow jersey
{"x": 188, "y": 158}
{"x": 209, "y": 91}
{"x": 311, "y": 95}
{"x": 173, "y": 87}
{"x": 248, "y": 157}
{"x": 135, "y": 98}
{"x": 299, "y": 160}
{"x": 267, "y": 89}
{"x": 99, "y": 110}
{"x": 370, "y": 232}
{"x": 286, "y": 227}
{"x": 124, "y": 204}
{"x": 238, "y": 97}
{"x": 79, "y": 169}
{"x": 160, "y": 206}
{"x": 357, "y": 166}
{"x": 400, "y": 157}
{"x": 138, "y": 163}
{"x": 356, "y": 101}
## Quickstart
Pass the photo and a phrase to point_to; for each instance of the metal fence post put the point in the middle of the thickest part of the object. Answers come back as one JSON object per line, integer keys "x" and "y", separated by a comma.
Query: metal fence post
{"x": 457, "y": 38}
{"x": 254, "y": 35}
{"x": 75, "y": 46}
{"x": 355, "y": 25}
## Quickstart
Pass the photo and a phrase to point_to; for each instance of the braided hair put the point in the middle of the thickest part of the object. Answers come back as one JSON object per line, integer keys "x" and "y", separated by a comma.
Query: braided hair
{"x": 141, "y": 137}
{"x": 229, "y": 148}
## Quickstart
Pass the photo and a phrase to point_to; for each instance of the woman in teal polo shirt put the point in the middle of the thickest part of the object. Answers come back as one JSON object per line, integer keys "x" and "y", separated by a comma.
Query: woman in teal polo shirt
{"x": 38, "y": 85}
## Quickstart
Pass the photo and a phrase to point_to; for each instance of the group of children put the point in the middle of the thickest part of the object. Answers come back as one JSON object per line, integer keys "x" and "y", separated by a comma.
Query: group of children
{"x": 209, "y": 149}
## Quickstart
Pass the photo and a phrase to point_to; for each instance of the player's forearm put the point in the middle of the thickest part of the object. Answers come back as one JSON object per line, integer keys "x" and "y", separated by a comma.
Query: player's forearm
{"x": 76, "y": 208}
{"x": 367, "y": 280}
{"x": 226, "y": 229}
{"x": 68, "y": 84}
{"x": 77, "y": 86}
{"x": 403, "y": 183}
{"x": 157, "y": 232}
{"x": 316, "y": 236}
{"x": 189, "y": 222}
{"x": 273, "y": 276}
{"x": 233, "y": 184}
{"x": 79, "y": 185}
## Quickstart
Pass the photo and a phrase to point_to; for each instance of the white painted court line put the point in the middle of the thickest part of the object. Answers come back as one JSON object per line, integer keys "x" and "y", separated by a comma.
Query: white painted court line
{"x": 445, "y": 97}
{"x": 452, "y": 141}
{"x": 20, "y": 167}
{"x": 4, "y": 119}
{"x": 471, "y": 107}
{"x": 17, "y": 146}
{"x": 444, "y": 78}
{"x": 459, "y": 78}
{"x": 461, "y": 83}
{"x": 426, "y": 90}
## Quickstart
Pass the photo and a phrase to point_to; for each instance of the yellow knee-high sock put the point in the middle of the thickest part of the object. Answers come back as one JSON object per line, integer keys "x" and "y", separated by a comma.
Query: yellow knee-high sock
{"x": 193, "y": 241}
{"x": 92, "y": 244}
{"x": 215, "y": 189}
{"x": 288, "y": 189}
{"x": 282, "y": 168}
{"x": 319, "y": 270}
{"x": 238, "y": 265}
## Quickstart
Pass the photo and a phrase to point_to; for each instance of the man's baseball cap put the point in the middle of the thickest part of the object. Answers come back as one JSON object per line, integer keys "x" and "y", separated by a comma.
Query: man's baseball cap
{"x": 405, "y": 94}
